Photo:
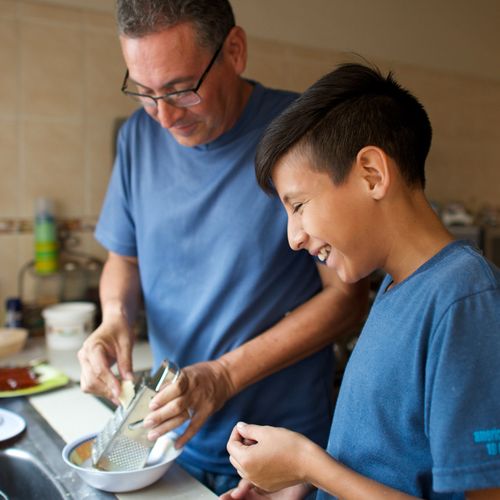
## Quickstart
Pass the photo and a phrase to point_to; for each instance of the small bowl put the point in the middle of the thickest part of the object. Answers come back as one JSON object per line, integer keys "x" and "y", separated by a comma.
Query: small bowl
{"x": 77, "y": 455}
{"x": 12, "y": 340}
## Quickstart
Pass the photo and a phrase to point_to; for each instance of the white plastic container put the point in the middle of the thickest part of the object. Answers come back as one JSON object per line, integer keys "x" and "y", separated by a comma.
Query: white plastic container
{"x": 68, "y": 324}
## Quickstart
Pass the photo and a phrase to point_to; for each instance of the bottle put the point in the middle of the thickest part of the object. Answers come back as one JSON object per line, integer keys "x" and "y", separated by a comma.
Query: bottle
{"x": 13, "y": 315}
{"x": 46, "y": 261}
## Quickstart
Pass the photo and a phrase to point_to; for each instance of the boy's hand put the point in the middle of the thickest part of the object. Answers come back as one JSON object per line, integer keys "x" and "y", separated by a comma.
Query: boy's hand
{"x": 247, "y": 491}
{"x": 270, "y": 457}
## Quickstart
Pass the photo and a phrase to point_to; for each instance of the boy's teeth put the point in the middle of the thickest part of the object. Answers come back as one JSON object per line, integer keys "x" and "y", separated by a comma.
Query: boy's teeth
{"x": 323, "y": 253}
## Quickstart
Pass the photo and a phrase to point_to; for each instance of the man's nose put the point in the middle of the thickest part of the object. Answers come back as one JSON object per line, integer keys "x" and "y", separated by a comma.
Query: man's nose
{"x": 297, "y": 237}
{"x": 167, "y": 114}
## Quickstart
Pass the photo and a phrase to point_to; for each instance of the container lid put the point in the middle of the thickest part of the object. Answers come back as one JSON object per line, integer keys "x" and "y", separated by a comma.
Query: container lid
{"x": 68, "y": 309}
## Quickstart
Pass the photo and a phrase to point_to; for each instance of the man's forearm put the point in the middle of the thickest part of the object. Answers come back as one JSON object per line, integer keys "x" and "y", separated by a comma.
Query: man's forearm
{"x": 120, "y": 289}
{"x": 327, "y": 316}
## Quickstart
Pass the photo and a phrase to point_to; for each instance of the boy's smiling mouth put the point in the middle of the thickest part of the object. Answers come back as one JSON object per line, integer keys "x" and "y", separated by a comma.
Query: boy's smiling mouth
{"x": 324, "y": 252}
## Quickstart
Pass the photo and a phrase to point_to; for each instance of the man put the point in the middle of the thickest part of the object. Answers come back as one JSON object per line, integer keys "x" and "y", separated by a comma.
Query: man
{"x": 250, "y": 323}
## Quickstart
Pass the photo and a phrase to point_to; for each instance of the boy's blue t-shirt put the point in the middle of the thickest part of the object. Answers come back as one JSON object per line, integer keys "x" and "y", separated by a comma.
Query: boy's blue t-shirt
{"x": 215, "y": 265}
{"x": 419, "y": 405}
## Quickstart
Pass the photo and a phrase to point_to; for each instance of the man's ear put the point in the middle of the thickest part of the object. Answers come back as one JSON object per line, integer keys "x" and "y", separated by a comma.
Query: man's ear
{"x": 372, "y": 164}
{"x": 235, "y": 48}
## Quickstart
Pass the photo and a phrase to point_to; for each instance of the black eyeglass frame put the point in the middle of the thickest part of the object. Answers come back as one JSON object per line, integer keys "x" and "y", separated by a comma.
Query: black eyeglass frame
{"x": 170, "y": 97}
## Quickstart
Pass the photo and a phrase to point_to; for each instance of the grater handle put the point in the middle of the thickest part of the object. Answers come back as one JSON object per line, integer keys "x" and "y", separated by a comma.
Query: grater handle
{"x": 168, "y": 372}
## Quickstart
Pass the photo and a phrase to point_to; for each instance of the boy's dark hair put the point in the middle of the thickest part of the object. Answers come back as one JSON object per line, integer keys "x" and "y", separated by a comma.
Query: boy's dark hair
{"x": 212, "y": 18}
{"x": 352, "y": 107}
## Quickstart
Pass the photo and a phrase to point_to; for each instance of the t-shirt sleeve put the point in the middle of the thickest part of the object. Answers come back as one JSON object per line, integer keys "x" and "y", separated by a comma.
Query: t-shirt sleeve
{"x": 115, "y": 228}
{"x": 462, "y": 395}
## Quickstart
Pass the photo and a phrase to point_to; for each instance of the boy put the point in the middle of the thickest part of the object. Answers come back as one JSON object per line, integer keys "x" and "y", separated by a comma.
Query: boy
{"x": 418, "y": 414}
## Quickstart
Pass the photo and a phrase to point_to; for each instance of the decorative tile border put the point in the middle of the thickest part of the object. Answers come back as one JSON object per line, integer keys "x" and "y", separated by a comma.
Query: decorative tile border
{"x": 22, "y": 226}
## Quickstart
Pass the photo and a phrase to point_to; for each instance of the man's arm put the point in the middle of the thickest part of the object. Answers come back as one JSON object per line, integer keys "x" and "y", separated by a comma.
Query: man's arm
{"x": 334, "y": 312}
{"x": 204, "y": 387}
{"x": 119, "y": 288}
{"x": 112, "y": 341}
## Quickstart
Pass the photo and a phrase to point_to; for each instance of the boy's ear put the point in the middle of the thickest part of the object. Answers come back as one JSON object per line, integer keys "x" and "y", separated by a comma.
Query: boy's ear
{"x": 372, "y": 165}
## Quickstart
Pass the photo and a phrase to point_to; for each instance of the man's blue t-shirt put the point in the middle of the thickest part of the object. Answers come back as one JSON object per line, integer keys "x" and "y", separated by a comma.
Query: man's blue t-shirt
{"x": 215, "y": 266}
{"x": 419, "y": 405}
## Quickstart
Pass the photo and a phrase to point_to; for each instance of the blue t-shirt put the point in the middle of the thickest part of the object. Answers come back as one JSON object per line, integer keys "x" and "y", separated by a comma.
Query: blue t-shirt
{"x": 215, "y": 266}
{"x": 419, "y": 405}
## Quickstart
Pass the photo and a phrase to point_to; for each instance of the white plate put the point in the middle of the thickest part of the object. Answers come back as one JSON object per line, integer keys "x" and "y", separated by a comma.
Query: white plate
{"x": 10, "y": 425}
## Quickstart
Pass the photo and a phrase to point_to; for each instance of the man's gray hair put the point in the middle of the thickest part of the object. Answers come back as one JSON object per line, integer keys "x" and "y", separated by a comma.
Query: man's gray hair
{"x": 212, "y": 19}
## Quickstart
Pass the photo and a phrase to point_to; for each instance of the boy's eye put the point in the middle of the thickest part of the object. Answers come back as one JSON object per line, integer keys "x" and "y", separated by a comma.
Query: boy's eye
{"x": 296, "y": 207}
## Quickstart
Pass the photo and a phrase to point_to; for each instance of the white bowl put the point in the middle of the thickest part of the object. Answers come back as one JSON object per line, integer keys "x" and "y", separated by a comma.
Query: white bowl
{"x": 77, "y": 455}
{"x": 12, "y": 340}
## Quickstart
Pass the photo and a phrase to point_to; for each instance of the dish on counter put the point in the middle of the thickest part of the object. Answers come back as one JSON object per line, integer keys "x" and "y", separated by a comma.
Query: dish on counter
{"x": 12, "y": 340}
{"x": 28, "y": 380}
{"x": 78, "y": 456}
{"x": 11, "y": 424}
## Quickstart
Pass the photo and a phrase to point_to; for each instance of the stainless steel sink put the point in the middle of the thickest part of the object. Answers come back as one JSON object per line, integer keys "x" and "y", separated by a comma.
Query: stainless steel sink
{"x": 31, "y": 466}
{"x": 23, "y": 477}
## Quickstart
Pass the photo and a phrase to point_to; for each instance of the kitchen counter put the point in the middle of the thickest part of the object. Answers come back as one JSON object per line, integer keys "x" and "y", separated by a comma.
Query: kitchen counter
{"x": 71, "y": 413}
{"x": 67, "y": 362}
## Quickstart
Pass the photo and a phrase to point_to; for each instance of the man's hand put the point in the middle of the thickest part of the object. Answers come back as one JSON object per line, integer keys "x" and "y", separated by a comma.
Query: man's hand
{"x": 200, "y": 391}
{"x": 110, "y": 343}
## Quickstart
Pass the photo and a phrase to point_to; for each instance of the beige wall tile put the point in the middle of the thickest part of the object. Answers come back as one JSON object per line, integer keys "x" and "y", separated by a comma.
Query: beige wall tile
{"x": 33, "y": 286}
{"x": 91, "y": 246}
{"x": 304, "y": 72}
{"x": 99, "y": 161}
{"x": 268, "y": 71}
{"x": 259, "y": 46}
{"x": 8, "y": 8}
{"x": 105, "y": 70}
{"x": 99, "y": 20}
{"x": 9, "y": 62}
{"x": 26, "y": 249}
{"x": 461, "y": 170}
{"x": 9, "y": 250}
{"x": 52, "y": 72}
{"x": 54, "y": 166}
{"x": 50, "y": 12}
{"x": 9, "y": 169}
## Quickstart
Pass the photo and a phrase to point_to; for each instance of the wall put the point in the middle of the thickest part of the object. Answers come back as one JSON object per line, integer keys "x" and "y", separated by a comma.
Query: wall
{"x": 464, "y": 160}
{"x": 60, "y": 96}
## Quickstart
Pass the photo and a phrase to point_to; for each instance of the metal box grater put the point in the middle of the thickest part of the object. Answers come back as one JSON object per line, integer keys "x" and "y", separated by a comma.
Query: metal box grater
{"x": 123, "y": 444}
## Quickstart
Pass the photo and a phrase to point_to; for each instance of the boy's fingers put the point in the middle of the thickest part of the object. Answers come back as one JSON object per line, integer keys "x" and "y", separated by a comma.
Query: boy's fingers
{"x": 249, "y": 433}
{"x": 240, "y": 439}
{"x": 235, "y": 464}
{"x": 242, "y": 489}
{"x": 235, "y": 435}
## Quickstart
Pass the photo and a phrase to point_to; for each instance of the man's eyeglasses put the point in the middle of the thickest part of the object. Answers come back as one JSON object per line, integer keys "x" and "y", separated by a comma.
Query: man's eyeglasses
{"x": 180, "y": 98}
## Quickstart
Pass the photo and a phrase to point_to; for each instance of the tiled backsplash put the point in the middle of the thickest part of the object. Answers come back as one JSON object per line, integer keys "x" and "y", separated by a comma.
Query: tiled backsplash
{"x": 60, "y": 99}
{"x": 18, "y": 226}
